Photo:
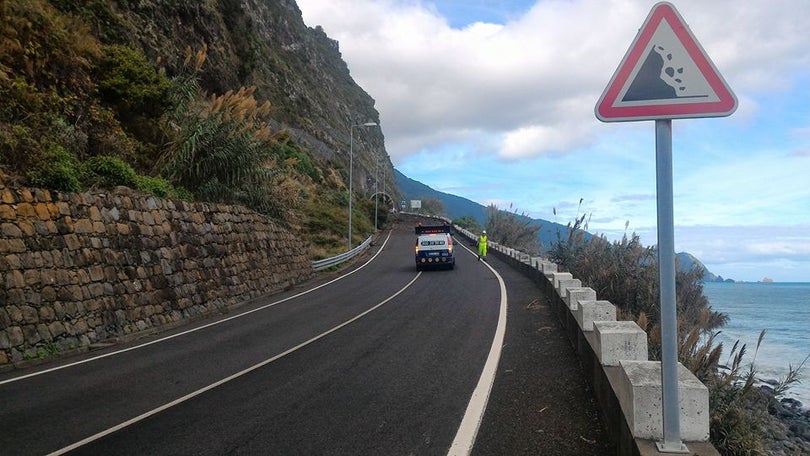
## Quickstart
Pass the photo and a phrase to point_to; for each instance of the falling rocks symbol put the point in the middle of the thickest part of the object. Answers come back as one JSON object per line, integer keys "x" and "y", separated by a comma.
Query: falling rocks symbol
{"x": 648, "y": 84}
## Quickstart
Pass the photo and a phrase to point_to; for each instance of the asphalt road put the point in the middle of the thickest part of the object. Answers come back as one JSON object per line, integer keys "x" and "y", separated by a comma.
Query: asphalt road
{"x": 382, "y": 361}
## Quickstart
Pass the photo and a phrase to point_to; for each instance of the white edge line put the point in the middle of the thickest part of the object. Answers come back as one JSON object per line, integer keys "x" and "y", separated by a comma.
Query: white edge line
{"x": 226, "y": 379}
{"x": 163, "y": 339}
{"x": 468, "y": 429}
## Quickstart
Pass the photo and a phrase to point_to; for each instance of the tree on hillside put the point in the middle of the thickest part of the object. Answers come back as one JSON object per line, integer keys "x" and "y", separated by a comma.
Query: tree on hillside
{"x": 432, "y": 206}
{"x": 468, "y": 223}
{"x": 510, "y": 228}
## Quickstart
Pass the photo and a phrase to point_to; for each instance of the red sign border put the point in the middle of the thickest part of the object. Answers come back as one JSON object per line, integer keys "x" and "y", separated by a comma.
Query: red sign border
{"x": 727, "y": 104}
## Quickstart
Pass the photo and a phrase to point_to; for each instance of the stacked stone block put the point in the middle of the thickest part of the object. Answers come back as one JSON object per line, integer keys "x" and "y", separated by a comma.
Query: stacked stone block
{"x": 77, "y": 269}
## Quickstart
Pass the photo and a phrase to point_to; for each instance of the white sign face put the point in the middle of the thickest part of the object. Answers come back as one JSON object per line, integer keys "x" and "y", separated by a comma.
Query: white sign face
{"x": 416, "y": 204}
{"x": 665, "y": 74}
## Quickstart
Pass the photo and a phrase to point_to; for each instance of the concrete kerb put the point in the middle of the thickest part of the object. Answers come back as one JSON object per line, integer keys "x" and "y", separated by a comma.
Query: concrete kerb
{"x": 564, "y": 284}
{"x": 619, "y": 340}
{"x": 574, "y": 294}
{"x": 588, "y": 311}
{"x": 555, "y": 277}
{"x": 639, "y": 395}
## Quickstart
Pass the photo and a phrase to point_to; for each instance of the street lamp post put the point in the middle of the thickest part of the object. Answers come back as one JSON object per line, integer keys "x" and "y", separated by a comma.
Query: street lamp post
{"x": 351, "y": 170}
{"x": 376, "y": 190}
{"x": 383, "y": 176}
{"x": 383, "y": 179}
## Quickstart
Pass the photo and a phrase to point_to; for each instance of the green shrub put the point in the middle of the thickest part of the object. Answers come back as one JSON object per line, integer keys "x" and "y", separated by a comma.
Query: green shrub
{"x": 129, "y": 82}
{"x": 510, "y": 228}
{"x": 108, "y": 172}
{"x": 162, "y": 188}
{"x": 18, "y": 147}
{"x": 293, "y": 155}
{"x": 57, "y": 170}
{"x": 468, "y": 223}
{"x": 737, "y": 408}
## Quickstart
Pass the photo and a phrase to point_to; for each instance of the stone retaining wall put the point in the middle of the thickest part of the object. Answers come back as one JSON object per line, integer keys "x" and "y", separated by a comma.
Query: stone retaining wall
{"x": 78, "y": 269}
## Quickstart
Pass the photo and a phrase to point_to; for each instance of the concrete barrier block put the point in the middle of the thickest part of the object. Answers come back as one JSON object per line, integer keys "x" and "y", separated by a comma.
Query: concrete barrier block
{"x": 562, "y": 284}
{"x": 574, "y": 294}
{"x": 549, "y": 267}
{"x": 619, "y": 340}
{"x": 588, "y": 311}
{"x": 555, "y": 277}
{"x": 640, "y": 395}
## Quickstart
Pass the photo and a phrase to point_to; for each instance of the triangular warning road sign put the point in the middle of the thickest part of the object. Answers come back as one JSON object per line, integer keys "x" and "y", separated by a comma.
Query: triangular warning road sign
{"x": 665, "y": 74}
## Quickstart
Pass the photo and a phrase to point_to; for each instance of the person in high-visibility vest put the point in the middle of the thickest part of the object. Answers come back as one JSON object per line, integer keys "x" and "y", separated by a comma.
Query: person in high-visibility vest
{"x": 482, "y": 245}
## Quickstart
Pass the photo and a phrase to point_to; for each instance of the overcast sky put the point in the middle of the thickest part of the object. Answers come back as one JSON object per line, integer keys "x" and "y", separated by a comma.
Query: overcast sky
{"x": 494, "y": 101}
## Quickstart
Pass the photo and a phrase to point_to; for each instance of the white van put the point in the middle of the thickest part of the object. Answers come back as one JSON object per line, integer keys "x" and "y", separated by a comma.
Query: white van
{"x": 434, "y": 247}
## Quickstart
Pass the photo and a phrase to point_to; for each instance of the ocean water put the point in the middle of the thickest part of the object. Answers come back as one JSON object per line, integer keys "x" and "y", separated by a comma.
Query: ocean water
{"x": 783, "y": 310}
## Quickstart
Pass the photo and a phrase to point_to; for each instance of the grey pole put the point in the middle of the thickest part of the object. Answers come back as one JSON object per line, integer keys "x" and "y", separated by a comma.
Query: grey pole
{"x": 666, "y": 276}
{"x": 376, "y": 186}
{"x": 383, "y": 179}
{"x": 351, "y": 168}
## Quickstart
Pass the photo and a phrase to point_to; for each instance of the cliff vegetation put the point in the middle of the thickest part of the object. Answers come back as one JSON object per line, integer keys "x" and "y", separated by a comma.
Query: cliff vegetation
{"x": 217, "y": 100}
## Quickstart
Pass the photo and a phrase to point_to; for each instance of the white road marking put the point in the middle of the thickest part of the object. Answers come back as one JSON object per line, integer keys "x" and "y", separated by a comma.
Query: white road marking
{"x": 468, "y": 430}
{"x": 163, "y": 339}
{"x": 227, "y": 379}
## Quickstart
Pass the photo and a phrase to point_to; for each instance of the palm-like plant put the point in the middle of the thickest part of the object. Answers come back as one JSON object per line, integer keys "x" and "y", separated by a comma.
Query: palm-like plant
{"x": 219, "y": 147}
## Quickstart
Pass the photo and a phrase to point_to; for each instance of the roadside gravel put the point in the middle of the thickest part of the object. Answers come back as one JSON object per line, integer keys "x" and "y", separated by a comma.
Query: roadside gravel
{"x": 540, "y": 402}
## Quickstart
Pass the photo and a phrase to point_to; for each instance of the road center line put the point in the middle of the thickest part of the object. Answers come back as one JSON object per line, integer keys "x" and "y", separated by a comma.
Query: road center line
{"x": 229, "y": 378}
{"x": 163, "y": 339}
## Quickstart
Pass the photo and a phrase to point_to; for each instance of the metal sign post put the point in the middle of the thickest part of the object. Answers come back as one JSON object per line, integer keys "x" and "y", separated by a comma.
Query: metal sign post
{"x": 666, "y": 278}
{"x": 666, "y": 75}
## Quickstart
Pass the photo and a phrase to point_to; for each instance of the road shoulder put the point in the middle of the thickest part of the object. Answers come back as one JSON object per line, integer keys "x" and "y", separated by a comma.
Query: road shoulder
{"x": 540, "y": 402}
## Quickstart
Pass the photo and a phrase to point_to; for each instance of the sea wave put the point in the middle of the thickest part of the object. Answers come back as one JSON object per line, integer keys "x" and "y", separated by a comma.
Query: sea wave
{"x": 783, "y": 311}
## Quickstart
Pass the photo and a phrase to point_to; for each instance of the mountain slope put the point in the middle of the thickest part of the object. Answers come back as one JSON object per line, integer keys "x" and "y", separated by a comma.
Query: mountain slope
{"x": 687, "y": 262}
{"x": 456, "y": 207}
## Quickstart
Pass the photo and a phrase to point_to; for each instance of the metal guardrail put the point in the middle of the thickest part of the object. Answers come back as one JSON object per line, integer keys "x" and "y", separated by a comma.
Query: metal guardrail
{"x": 320, "y": 265}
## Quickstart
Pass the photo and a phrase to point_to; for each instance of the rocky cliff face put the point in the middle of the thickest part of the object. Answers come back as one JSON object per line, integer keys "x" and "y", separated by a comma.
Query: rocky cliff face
{"x": 262, "y": 43}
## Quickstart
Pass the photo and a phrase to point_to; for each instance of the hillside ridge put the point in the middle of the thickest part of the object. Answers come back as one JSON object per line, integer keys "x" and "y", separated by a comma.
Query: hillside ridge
{"x": 457, "y": 206}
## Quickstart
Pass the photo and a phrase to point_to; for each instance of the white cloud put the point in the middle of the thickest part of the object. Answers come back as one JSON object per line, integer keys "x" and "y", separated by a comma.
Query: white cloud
{"x": 780, "y": 252}
{"x": 531, "y": 141}
{"x": 540, "y": 73}
{"x": 504, "y": 113}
